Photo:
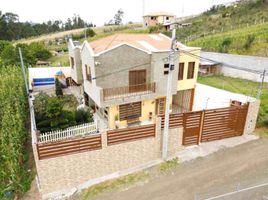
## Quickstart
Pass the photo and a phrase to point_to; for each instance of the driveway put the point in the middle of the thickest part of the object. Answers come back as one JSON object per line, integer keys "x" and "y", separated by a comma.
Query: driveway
{"x": 242, "y": 166}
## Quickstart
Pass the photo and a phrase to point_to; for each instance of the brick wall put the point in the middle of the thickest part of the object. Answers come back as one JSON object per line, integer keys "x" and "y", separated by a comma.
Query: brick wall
{"x": 253, "y": 110}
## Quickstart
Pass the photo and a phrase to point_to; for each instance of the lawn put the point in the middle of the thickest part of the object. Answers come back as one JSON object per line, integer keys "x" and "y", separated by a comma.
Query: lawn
{"x": 241, "y": 86}
{"x": 60, "y": 60}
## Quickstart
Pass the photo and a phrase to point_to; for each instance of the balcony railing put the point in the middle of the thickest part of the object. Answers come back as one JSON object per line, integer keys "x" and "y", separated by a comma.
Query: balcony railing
{"x": 128, "y": 91}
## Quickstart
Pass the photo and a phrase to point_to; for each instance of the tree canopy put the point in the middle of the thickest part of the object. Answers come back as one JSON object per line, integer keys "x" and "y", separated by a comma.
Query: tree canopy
{"x": 12, "y": 29}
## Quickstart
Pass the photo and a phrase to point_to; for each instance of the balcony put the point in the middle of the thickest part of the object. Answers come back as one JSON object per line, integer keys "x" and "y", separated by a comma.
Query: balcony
{"x": 128, "y": 91}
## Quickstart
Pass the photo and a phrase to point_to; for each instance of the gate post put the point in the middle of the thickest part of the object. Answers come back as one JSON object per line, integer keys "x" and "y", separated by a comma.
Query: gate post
{"x": 201, "y": 126}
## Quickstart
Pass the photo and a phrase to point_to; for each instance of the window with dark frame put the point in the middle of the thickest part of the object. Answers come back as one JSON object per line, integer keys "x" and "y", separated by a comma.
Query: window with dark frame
{"x": 191, "y": 66}
{"x": 72, "y": 62}
{"x": 166, "y": 69}
{"x": 88, "y": 73}
{"x": 181, "y": 71}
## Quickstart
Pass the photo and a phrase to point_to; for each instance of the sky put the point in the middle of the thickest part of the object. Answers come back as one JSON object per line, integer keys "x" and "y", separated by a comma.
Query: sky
{"x": 101, "y": 11}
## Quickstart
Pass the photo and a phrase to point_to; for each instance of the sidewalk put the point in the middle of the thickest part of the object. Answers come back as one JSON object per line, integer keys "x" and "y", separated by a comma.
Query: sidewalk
{"x": 207, "y": 148}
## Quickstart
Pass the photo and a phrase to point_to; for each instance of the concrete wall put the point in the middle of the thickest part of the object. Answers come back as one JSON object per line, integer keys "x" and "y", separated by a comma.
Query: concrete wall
{"x": 76, "y": 70}
{"x": 61, "y": 174}
{"x": 252, "y": 116}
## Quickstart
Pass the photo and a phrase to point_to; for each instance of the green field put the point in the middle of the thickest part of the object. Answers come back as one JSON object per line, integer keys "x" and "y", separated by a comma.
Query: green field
{"x": 241, "y": 86}
{"x": 251, "y": 40}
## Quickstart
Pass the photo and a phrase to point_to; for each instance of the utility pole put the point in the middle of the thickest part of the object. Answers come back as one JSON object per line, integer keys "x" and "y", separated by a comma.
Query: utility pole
{"x": 23, "y": 71}
{"x": 169, "y": 87}
{"x": 261, "y": 85}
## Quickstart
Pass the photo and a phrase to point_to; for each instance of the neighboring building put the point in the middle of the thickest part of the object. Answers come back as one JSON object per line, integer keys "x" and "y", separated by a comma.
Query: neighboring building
{"x": 207, "y": 68}
{"x": 125, "y": 77}
{"x": 75, "y": 61}
{"x": 158, "y": 18}
{"x": 236, "y": 66}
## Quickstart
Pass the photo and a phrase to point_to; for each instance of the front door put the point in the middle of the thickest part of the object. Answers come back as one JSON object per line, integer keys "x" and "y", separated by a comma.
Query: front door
{"x": 137, "y": 80}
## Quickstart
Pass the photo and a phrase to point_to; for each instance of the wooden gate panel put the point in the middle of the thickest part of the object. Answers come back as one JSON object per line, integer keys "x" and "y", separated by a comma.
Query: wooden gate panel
{"x": 223, "y": 123}
{"x": 191, "y": 128}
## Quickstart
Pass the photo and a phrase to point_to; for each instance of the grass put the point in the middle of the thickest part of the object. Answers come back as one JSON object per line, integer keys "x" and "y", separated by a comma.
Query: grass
{"x": 112, "y": 185}
{"x": 246, "y": 87}
{"x": 238, "y": 41}
{"x": 60, "y": 60}
{"x": 262, "y": 132}
{"x": 168, "y": 165}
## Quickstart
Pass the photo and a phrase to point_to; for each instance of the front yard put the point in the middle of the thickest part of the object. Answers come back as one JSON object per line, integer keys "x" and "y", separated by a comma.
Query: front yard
{"x": 244, "y": 87}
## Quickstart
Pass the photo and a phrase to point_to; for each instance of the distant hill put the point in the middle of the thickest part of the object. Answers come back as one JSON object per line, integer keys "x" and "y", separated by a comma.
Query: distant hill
{"x": 240, "y": 27}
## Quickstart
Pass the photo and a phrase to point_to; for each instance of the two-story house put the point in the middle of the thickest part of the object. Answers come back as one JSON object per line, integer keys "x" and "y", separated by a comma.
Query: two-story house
{"x": 157, "y": 18}
{"x": 125, "y": 77}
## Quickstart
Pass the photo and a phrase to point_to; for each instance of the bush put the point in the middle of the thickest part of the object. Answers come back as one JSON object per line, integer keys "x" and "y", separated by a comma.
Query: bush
{"x": 58, "y": 88}
{"x": 83, "y": 116}
{"x": 90, "y": 32}
{"x": 249, "y": 41}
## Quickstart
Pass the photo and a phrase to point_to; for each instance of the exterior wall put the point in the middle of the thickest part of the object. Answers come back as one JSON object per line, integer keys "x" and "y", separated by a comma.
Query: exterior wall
{"x": 236, "y": 73}
{"x": 157, "y": 62}
{"x": 175, "y": 141}
{"x": 253, "y": 110}
{"x": 186, "y": 84}
{"x": 76, "y": 71}
{"x": 147, "y": 106}
{"x": 159, "y": 20}
{"x": 117, "y": 59}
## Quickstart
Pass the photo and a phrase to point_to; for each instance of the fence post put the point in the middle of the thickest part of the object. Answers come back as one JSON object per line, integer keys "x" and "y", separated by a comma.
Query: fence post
{"x": 201, "y": 126}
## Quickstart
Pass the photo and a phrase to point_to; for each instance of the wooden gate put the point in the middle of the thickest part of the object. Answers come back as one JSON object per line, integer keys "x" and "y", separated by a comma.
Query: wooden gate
{"x": 224, "y": 123}
{"x": 191, "y": 127}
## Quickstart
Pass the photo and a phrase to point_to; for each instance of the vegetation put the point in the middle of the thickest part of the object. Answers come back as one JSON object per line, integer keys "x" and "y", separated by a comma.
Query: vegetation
{"x": 226, "y": 17}
{"x": 113, "y": 184}
{"x": 9, "y": 55}
{"x": 249, "y": 41}
{"x": 14, "y": 177}
{"x": 168, "y": 165}
{"x": 12, "y": 29}
{"x": 58, "y": 88}
{"x": 245, "y": 87}
{"x": 58, "y": 112}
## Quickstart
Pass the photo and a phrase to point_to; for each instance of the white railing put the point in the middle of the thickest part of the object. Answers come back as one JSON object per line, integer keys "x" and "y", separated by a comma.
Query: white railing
{"x": 72, "y": 132}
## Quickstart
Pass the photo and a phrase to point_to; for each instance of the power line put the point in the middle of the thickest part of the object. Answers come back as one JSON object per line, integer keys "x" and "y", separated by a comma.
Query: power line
{"x": 225, "y": 64}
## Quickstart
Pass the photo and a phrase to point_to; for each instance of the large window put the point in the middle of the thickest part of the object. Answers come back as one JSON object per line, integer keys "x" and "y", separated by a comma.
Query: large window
{"x": 130, "y": 111}
{"x": 72, "y": 62}
{"x": 181, "y": 70}
{"x": 88, "y": 73}
{"x": 191, "y": 66}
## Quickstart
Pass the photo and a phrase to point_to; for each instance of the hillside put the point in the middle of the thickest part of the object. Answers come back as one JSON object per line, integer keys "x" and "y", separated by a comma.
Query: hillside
{"x": 222, "y": 18}
{"x": 251, "y": 40}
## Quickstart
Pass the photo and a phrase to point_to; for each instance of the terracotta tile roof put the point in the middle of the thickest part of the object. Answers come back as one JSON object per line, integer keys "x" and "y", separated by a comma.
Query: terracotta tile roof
{"x": 146, "y": 42}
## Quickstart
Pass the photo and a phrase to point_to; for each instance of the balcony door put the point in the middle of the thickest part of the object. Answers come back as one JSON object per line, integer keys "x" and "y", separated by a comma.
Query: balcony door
{"x": 137, "y": 80}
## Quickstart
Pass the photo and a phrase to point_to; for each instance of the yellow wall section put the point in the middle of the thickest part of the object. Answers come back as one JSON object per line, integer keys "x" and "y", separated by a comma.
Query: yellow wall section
{"x": 188, "y": 83}
{"x": 147, "y": 107}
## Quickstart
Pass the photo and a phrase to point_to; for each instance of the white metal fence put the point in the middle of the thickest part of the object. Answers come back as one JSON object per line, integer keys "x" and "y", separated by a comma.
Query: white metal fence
{"x": 72, "y": 132}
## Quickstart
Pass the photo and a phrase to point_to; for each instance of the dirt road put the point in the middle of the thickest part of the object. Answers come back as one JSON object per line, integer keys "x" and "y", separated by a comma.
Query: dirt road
{"x": 202, "y": 178}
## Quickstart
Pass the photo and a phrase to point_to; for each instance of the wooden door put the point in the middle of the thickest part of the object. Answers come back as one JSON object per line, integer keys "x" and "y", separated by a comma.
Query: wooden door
{"x": 160, "y": 106}
{"x": 137, "y": 80}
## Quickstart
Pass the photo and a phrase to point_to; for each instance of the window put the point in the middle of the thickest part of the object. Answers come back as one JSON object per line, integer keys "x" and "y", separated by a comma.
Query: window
{"x": 72, "y": 62}
{"x": 166, "y": 69}
{"x": 130, "y": 111}
{"x": 181, "y": 70}
{"x": 190, "y": 73}
{"x": 88, "y": 73}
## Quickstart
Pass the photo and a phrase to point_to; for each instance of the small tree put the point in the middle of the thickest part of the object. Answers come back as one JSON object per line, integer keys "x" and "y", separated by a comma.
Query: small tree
{"x": 58, "y": 87}
{"x": 118, "y": 17}
{"x": 90, "y": 32}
